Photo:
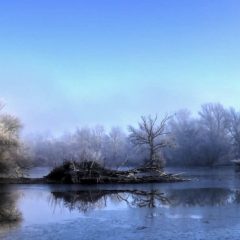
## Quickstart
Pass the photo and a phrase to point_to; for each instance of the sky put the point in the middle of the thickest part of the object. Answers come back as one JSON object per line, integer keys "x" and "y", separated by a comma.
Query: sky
{"x": 73, "y": 63}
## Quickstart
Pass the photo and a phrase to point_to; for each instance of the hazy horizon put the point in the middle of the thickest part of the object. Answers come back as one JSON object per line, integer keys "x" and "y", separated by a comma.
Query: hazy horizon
{"x": 81, "y": 63}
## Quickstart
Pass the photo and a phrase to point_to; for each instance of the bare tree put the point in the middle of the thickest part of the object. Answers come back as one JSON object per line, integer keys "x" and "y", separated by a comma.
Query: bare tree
{"x": 213, "y": 118}
{"x": 152, "y": 134}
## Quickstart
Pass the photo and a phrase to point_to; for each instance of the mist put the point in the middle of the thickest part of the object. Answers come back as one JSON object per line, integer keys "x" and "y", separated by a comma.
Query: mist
{"x": 119, "y": 119}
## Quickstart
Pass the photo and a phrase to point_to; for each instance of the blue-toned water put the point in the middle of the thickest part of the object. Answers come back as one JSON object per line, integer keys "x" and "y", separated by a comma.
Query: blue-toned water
{"x": 208, "y": 207}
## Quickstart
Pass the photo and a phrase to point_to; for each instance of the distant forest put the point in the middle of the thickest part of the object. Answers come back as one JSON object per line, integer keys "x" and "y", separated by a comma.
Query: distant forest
{"x": 210, "y": 138}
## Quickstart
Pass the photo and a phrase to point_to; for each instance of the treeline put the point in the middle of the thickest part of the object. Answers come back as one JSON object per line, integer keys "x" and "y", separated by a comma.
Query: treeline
{"x": 209, "y": 138}
{"x": 111, "y": 149}
{"x": 212, "y": 137}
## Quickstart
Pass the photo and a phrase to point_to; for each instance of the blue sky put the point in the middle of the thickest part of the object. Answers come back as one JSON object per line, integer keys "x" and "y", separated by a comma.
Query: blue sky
{"x": 75, "y": 63}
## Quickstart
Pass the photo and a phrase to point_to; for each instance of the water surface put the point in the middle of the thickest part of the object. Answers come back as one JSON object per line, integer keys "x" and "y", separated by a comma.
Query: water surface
{"x": 208, "y": 207}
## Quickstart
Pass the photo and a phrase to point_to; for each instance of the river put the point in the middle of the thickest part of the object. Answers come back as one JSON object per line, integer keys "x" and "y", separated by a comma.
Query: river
{"x": 207, "y": 207}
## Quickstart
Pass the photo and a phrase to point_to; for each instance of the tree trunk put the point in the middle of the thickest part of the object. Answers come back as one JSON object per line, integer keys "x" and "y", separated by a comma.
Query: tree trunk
{"x": 151, "y": 158}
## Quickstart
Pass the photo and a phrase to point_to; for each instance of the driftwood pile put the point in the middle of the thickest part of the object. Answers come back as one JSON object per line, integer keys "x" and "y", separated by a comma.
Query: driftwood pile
{"x": 93, "y": 172}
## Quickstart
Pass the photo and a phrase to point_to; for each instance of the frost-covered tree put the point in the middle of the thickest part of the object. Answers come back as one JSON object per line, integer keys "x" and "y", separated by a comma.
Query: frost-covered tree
{"x": 152, "y": 134}
{"x": 203, "y": 140}
{"x": 87, "y": 144}
{"x": 12, "y": 151}
{"x": 234, "y": 131}
{"x": 214, "y": 132}
{"x": 185, "y": 131}
{"x": 116, "y": 148}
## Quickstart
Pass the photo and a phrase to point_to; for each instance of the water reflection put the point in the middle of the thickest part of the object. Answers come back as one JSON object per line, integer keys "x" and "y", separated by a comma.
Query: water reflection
{"x": 203, "y": 197}
{"x": 85, "y": 201}
{"x": 10, "y": 216}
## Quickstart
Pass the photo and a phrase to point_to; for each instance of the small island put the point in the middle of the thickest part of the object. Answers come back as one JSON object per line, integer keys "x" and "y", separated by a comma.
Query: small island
{"x": 92, "y": 172}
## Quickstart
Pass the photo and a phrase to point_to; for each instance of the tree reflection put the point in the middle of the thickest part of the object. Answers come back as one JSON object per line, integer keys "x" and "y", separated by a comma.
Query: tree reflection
{"x": 9, "y": 214}
{"x": 85, "y": 201}
{"x": 149, "y": 199}
{"x": 81, "y": 200}
{"x": 203, "y": 197}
